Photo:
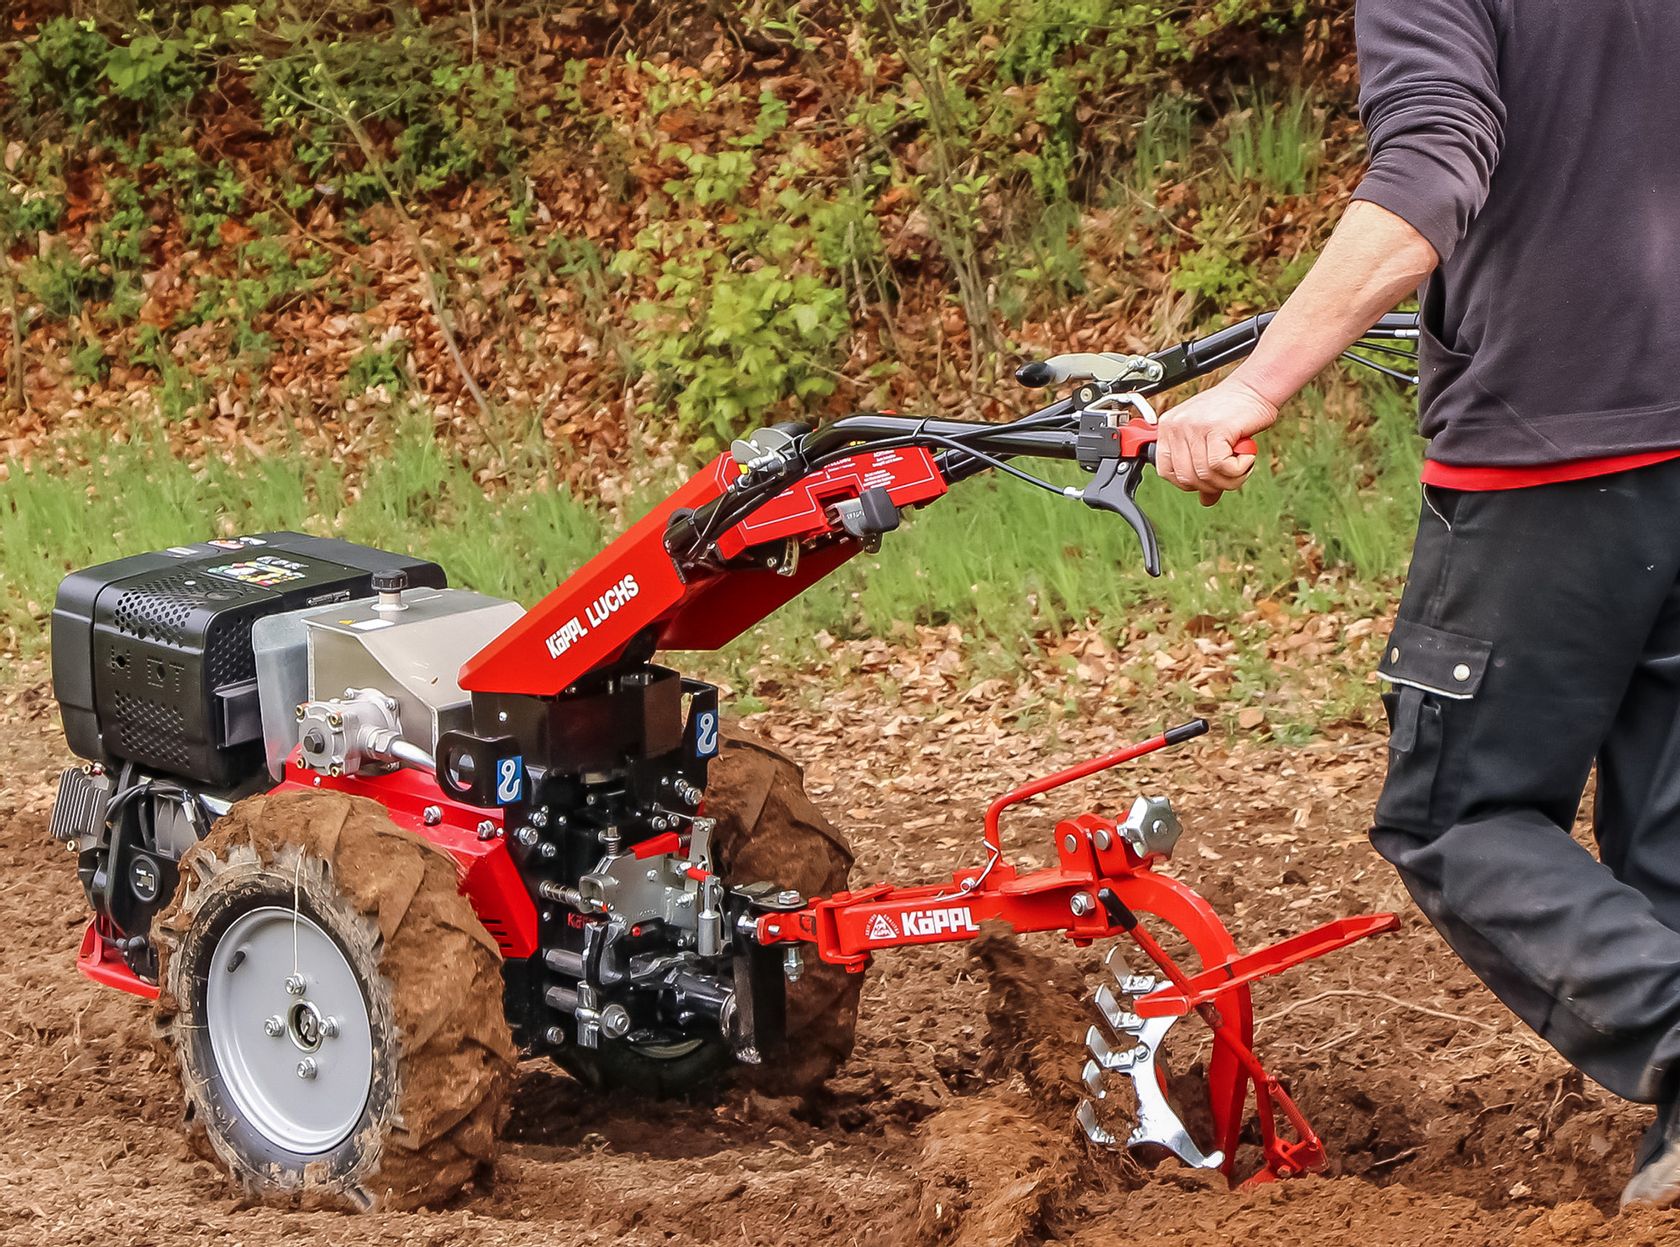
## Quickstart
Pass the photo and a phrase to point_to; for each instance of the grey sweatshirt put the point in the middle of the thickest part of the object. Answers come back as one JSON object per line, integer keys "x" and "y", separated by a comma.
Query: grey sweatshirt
{"x": 1536, "y": 145}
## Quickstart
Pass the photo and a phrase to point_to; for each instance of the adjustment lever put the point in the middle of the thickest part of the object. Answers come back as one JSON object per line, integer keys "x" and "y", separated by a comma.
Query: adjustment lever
{"x": 1106, "y": 368}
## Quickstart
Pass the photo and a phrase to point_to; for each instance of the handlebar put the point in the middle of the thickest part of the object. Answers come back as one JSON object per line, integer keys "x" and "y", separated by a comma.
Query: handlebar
{"x": 1081, "y": 427}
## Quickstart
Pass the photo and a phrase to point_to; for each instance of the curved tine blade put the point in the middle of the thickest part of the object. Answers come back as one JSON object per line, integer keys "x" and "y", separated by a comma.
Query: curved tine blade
{"x": 1106, "y": 1054}
{"x": 1116, "y": 964}
{"x": 1157, "y": 1123}
{"x": 1094, "y": 1129}
{"x": 1092, "y": 1077}
{"x": 1119, "y": 1017}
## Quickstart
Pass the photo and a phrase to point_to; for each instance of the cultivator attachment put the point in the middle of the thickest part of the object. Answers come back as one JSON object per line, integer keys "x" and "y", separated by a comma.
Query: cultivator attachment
{"x": 1129, "y": 1047}
{"x": 1105, "y": 885}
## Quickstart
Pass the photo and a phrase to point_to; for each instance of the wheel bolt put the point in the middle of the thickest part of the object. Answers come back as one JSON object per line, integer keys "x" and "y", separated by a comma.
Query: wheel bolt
{"x": 274, "y": 1027}
{"x": 307, "y": 1068}
{"x": 294, "y": 984}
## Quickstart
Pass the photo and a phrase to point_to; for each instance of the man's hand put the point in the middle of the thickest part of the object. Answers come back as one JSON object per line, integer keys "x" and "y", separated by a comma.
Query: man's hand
{"x": 1193, "y": 449}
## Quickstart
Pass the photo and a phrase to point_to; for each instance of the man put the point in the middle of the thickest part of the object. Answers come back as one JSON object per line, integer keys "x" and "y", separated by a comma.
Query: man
{"x": 1525, "y": 167}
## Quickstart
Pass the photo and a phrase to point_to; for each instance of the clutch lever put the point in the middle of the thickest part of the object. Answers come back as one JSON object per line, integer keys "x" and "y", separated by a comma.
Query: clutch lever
{"x": 1119, "y": 472}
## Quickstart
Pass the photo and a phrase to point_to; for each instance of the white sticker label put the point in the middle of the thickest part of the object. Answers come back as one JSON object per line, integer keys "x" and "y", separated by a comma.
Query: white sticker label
{"x": 939, "y": 921}
{"x": 597, "y": 613}
{"x": 881, "y": 928}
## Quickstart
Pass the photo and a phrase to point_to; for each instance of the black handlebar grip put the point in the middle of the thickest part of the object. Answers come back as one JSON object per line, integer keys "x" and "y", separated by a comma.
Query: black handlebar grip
{"x": 1035, "y": 374}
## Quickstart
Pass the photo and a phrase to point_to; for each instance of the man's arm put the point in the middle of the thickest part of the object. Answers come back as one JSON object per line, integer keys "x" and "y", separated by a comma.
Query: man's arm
{"x": 1429, "y": 98}
{"x": 1373, "y": 260}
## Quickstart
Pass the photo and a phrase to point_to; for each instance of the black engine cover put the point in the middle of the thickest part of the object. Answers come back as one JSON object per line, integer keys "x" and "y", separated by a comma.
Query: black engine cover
{"x": 151, "y": 654}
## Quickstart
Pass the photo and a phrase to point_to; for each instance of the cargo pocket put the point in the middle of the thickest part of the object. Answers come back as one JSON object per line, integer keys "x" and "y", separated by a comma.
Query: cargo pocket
{"x": 1433, "y": 675}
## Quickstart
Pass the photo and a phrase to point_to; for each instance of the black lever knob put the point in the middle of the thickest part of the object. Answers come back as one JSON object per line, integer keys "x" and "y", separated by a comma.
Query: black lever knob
{"x": 1035, "y": 374}
{"x": 390, "y": 581}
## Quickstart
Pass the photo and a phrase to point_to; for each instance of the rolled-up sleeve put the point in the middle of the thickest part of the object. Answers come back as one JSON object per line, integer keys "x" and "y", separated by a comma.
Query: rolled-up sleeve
{"x": 1429, "y": 98}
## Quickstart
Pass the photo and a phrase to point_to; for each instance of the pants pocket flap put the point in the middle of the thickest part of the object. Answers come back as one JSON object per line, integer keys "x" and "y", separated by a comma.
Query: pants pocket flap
{"x": 1438, "y": 662}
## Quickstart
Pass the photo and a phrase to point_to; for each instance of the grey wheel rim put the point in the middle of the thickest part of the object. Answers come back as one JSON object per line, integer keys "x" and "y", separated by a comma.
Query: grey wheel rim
{"x": 289, "y": 1030}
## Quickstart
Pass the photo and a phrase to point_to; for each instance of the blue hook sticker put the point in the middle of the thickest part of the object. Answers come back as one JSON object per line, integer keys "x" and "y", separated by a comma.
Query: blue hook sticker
{"x": 510, "y": 780}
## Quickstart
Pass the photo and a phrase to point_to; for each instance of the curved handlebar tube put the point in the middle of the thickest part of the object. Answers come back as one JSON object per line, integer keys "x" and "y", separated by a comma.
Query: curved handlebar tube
{"x": 968, "y": 447}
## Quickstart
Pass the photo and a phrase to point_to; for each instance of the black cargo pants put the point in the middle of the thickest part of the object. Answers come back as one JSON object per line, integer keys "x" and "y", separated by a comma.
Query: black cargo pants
{"x": 1539, "y": 632}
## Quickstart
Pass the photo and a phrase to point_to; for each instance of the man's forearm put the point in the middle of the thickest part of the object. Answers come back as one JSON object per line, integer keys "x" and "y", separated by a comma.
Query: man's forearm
{"x": 1372, "y": 261}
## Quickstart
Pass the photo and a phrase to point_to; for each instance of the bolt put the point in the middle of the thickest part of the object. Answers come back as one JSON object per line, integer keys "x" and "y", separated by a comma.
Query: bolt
{"x": 615, "y": 1021}
{"x": 660, "y": 823}
{"x": 486, "y": 830}
{"x": 539, "y": 818}
{"x": 501, "y": 716}
{"x": 274, "y": 1027}
{"x": 526, "y": 836}
{"x": 789, "y": 897}
{"x": 554, "y": 1036}
{"x": 329, "y": 1027}
{"x": 431, "y": 816}
{"x": 652, "y": 876}
{"x": 1102, "y": 839}
{"x": 295, "y": 984}
{"x": 793, "y": 964}
{"x": 307, "y": 1068}
{"x": 1070, "y": 842}
{"x": 1081, "y": 904}
{"x": 548, "y": 850}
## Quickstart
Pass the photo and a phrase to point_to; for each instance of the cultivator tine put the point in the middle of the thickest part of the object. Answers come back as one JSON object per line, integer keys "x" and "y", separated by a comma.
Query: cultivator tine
{"x": 1128, "y": 1048}
{"x": 1094, "y": 1129}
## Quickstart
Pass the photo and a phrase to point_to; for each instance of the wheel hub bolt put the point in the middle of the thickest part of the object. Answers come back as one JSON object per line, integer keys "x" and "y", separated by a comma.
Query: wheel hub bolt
{"x": 274, "y": 1027}
{"x": 307, "y": 1068}
{"x": 294, "y": 984}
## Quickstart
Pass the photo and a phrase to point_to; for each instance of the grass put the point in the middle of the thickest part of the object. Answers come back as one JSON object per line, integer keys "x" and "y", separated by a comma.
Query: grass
{"x": 1276, "y": 143}
{"x": 1009, "y": 564}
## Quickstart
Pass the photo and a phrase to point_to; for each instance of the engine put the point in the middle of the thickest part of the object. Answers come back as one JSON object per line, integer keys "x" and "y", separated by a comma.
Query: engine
{"x": 156, "y": 676}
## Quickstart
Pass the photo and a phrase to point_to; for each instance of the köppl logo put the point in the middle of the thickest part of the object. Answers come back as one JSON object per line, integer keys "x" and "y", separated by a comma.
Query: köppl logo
{"x": 951, "y": 920}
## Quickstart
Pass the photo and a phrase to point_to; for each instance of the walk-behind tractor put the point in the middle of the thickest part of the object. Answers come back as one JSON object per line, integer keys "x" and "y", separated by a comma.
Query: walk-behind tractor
{"x": 367, "y": 839}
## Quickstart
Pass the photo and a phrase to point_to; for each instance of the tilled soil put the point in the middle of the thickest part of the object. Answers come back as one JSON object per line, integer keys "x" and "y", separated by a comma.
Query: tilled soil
{"x": 952, "y": 1121}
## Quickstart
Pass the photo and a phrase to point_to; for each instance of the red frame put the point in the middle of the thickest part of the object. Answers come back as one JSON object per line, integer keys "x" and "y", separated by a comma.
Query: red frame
{"x": 590, "y": 618}
{"x": 1092, "y": 859}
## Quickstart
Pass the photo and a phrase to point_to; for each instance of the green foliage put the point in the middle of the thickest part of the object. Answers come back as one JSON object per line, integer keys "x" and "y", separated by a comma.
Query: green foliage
{"x": 92, "y": 77}
{"x": 61, "y": 282}
{"x": 1275, "y": 143}
{"x": 445, "y": 121}
{"x": 384, "y": 366}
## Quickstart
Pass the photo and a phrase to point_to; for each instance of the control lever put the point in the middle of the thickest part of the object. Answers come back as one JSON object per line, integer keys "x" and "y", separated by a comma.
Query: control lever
{"x": 1119, "y": 455}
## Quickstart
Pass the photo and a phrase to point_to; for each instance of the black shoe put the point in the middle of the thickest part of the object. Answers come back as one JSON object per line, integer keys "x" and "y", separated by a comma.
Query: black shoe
{"x": 1656, "y": 1171}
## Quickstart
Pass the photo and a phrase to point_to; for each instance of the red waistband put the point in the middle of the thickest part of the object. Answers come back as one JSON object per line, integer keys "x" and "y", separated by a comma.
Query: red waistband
{"x": 1454, "y": 476}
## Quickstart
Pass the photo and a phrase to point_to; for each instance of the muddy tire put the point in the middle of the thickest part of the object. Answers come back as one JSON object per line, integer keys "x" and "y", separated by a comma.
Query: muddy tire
{"x": 767, "y": 830}
{"x": 335, "y": 1007}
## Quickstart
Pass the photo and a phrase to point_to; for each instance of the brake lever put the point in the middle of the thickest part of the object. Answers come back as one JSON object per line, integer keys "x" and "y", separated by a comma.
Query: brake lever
{"x": 1114, "y": 488}
{"x": 1115, "y": 485}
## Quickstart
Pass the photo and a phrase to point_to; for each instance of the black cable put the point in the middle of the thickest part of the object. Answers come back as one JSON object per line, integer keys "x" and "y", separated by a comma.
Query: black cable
{"x": 1386, "y": 371}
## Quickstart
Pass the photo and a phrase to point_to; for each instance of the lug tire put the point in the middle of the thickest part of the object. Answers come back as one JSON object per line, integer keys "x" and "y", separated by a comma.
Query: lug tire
{"x": 767, "y": 830}
{"x": 429, "y": 978}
